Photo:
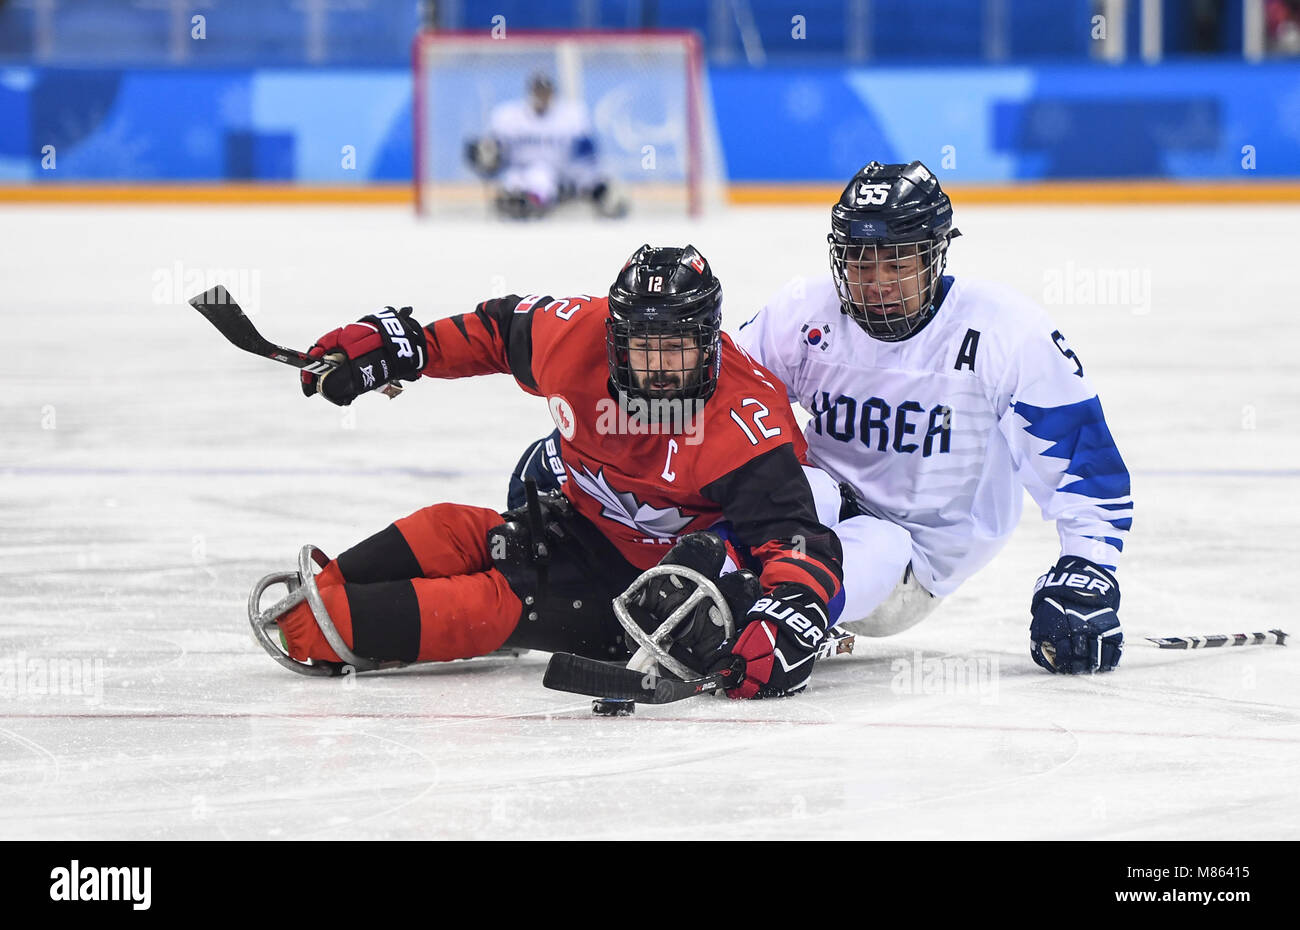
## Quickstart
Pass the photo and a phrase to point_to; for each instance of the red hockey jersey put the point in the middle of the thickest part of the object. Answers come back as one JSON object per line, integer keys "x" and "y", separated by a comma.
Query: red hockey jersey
{"x": 642, "y": 485}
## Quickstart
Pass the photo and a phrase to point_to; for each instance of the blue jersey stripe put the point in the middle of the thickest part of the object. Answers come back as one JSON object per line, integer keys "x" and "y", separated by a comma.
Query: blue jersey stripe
{"x": 1078, "y": 434}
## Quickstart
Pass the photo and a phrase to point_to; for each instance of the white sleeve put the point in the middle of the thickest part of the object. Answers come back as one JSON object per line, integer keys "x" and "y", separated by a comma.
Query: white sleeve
{"x": 497, "y": 122}
{"x": 1063, "y": 451}
{"x": 766, "y": 337}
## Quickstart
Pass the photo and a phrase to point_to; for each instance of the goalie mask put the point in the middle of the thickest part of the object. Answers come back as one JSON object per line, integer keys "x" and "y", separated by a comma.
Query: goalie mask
{"x": 541, "y": 90}
{"x": 888, "y": 247}
{"x": 662, "y": 335}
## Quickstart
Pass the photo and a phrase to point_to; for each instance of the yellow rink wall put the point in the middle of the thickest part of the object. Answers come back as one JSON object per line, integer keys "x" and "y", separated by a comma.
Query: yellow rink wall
{"x": 1045, "y": 193}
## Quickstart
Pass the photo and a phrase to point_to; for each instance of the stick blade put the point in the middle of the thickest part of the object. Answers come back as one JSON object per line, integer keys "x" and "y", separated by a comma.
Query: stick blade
{"x": 212, "y": 296}
{"x": 219, "y": 307}
{"x": 579, "y": 675}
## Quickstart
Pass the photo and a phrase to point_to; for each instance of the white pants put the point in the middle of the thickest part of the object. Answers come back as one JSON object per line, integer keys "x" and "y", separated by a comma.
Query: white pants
{"x": 881, "y": 596}
{"x": 542, "y": 180}
{"x": 538, "y": 179}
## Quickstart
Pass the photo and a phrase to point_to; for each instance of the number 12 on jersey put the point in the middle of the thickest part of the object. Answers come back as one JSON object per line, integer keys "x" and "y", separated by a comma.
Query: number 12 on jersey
{"x": 757, "y": 416}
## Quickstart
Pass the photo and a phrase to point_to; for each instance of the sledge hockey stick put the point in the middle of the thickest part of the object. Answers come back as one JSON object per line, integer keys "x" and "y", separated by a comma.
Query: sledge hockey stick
{"x": 1213, "y": 640}
{"x": 221, "y": 311}
{"x": 594, "y": 678}
{"x": 579, "y": 675}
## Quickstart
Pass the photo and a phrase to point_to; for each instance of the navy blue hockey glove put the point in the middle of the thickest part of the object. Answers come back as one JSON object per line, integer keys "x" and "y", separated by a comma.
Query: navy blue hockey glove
{"x": 1075, "y": 627}
{"x": 779, "y": 642}
{"x": 484, "y": 157}
{"x": 376, "y": 349}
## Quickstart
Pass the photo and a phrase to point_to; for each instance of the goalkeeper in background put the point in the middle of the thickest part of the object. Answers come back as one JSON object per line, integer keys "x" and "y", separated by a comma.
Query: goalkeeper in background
{"x": 541, "y": 152}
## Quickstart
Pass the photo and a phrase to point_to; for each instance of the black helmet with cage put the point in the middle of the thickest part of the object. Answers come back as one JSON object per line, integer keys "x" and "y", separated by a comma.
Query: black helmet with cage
{"x": 665, "y": 320}
{"x": 889, "y": 244}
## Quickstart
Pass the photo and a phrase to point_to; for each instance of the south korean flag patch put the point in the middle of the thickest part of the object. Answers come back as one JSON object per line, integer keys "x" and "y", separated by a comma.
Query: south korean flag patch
{"x": 817, "y": 335}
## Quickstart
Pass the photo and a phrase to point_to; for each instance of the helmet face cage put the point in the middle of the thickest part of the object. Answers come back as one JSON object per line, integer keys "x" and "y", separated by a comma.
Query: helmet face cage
{"x": 667, "y": 360}
{"x": 889, "y": 289}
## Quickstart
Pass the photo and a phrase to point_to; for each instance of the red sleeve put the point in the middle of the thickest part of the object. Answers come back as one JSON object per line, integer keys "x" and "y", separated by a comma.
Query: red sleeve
{"x": 510, "y": 335}
{"x": 770, "y": 507}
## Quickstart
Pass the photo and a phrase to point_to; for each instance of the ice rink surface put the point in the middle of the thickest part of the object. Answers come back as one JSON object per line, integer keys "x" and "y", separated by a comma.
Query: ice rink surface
{"x": 150, "y": 473}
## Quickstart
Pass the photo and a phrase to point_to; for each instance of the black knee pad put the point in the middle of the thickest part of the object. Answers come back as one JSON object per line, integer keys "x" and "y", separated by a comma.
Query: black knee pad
{"x": 385, "y": 556}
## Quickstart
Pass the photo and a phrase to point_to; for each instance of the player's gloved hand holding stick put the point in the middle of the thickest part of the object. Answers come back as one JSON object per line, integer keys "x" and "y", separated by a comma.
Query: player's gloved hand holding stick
{"x": 779, "y": 642}
{"x": 220, "y": 309}
{"x": 1075, "y": 627}
{"x": 371, "y": 352}
{"x": 773, "y": 655}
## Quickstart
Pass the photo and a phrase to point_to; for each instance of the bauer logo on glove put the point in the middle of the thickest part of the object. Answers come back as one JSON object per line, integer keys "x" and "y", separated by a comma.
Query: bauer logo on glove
{"x": 801, "y": 626}
{"x": 1088, "y": 581}
{"x": 377, "y": 349}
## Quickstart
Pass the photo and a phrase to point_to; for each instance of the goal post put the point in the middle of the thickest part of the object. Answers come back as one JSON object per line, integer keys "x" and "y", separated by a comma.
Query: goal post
{"x": 645, "y": 92}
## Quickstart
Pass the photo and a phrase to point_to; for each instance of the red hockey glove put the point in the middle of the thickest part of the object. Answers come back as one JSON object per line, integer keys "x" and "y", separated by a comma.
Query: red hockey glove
{"x": 376, "y": 349}
{"x": 779, "y": 642}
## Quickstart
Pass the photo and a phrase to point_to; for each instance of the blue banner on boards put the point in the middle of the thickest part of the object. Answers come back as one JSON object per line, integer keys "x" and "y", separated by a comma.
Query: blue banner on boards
{"x": 971, "y": 124}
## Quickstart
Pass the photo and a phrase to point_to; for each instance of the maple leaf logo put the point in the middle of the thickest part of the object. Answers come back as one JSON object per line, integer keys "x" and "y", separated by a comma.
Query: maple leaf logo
{"x": 623, "y": 507}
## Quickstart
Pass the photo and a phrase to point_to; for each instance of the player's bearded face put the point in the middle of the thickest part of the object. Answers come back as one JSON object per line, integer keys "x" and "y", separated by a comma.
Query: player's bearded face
{"x": 886, "y": 280}
{"x": 662, "y": 366}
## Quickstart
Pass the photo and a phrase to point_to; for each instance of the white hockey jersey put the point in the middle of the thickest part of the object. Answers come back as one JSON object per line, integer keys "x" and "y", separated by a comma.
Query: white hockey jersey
{"x": 939, "y": 432}
{"x": 559, "y": 139}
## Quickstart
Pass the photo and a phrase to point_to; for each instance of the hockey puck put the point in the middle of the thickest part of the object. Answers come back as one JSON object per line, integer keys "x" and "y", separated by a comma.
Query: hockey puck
{"x": 613, "y": 707}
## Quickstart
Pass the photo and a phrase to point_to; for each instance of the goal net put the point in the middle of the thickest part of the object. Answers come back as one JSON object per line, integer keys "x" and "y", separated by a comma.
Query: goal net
{"x": 645, "y": 94}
